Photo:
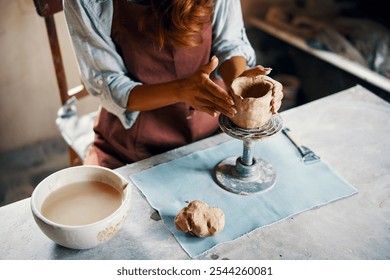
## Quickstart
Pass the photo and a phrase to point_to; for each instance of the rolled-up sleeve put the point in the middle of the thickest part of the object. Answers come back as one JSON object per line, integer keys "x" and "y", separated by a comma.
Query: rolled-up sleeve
{"x": 102, "y": 69}
{"x": 229, "y": 35}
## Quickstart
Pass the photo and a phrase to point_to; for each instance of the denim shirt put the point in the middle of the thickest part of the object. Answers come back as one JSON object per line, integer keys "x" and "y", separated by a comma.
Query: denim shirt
{"x": 102, "y": 68}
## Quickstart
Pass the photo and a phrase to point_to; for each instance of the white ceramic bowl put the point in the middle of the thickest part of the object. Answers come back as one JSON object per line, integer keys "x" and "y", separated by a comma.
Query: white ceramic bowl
{"x": 81, "y": 236}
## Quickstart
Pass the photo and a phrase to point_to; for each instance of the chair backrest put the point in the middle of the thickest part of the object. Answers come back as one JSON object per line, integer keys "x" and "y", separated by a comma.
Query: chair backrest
{"x": 47, "y": 9}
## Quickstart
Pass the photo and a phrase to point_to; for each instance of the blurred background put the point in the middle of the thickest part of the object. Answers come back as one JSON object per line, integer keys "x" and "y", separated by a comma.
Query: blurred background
{"x": 316, "y": 48}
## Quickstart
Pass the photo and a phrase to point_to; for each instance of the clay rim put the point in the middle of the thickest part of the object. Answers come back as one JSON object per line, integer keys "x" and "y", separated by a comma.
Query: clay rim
{"x": 241, "y": 85}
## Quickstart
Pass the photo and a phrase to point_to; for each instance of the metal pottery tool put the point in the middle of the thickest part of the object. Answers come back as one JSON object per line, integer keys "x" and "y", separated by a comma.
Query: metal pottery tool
{"x": 247, "y": 174}
{"x": 308, "y": 156}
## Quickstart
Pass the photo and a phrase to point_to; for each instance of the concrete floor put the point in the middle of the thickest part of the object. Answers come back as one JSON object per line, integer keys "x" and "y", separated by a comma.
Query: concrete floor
{"x": 21, "y": 170}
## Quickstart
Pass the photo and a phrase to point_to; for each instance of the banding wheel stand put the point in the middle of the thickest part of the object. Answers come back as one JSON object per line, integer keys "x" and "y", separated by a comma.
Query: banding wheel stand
{"x": 247, "y": 174}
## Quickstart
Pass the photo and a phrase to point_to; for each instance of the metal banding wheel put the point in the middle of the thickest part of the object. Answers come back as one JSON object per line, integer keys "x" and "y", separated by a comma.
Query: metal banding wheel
{"x": 246, "y": 174}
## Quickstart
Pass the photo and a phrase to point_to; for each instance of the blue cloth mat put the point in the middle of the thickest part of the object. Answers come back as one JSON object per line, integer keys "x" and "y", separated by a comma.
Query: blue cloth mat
{"x": 169, "y": 187}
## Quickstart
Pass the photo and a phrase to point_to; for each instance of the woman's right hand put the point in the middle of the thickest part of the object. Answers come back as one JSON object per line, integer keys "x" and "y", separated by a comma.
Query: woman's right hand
{"x": 202, "y": 94}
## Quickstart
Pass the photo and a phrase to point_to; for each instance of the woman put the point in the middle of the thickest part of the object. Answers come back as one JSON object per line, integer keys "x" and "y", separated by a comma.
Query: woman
{"x": 160, "y": 68}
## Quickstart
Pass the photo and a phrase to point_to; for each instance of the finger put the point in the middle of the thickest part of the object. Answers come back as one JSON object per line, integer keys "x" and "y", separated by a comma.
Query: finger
{"x": 210, "y": 67}
{"x": 256, "y": 71}
{"x": 277, "y": 93}
{"x": 229, "y": 111}
{"x": 208, "y": 110}
{"x": 278, "y": 89}
{"x": 215, "y": 93}
{"x": 276, "y": 106}
{"x": 277, "y": 96}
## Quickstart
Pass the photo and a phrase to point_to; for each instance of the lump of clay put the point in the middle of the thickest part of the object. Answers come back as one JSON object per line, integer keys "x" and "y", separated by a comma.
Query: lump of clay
{"x": 252, "y": 97}
{"x": 200, "y": 219}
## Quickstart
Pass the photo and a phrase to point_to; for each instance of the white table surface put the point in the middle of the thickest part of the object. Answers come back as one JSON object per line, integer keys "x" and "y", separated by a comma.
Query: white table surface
{"x": 350, "y": 130}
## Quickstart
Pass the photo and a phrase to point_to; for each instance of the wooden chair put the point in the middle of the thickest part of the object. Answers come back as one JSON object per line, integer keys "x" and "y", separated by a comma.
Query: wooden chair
{"x": 76, "y": 130}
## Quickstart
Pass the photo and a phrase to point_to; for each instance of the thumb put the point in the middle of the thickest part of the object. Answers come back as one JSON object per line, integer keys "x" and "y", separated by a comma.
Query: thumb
{"x": 210, "y": 67}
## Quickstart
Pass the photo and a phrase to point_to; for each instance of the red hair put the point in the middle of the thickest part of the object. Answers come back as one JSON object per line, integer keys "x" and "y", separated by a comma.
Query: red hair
{"x": 179, "y": 22}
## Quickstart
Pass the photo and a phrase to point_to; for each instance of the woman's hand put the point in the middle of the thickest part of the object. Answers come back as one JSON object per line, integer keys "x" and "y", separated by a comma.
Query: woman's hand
{"x": 277, "y": 89}
{"x": 201, "y": 93}
{"x": 256, "y": 71}
{"x": 198, "y": 91}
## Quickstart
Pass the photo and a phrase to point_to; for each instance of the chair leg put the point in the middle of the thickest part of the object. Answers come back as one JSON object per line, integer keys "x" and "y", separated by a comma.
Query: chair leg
{"x": 75, "y": 160}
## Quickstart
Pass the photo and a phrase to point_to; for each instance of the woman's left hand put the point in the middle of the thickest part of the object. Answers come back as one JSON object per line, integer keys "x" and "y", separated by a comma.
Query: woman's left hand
{"x": 256, "y": 71}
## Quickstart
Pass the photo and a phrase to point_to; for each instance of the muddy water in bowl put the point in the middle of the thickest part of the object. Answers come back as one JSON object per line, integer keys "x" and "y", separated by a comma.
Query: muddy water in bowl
{"x": 81, "y": 207}
{"x": 252, "y": 97}
{"x": 81, "y": 203}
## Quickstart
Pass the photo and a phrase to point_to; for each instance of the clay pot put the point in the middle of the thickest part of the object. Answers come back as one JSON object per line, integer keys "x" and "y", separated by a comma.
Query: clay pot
{"x": 252, "y": 97}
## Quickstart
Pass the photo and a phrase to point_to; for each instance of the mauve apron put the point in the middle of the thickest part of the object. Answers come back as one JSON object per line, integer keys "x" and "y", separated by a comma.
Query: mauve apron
{"x": 159, "y": 130}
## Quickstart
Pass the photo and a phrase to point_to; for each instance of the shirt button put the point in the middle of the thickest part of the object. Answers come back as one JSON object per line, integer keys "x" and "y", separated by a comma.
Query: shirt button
{"x": 100, "y": 82}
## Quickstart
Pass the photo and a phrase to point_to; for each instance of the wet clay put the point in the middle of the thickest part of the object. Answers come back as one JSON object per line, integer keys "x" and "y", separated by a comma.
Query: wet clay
{"x": 252, "y": 97}
{"x": 200, "y": 219}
